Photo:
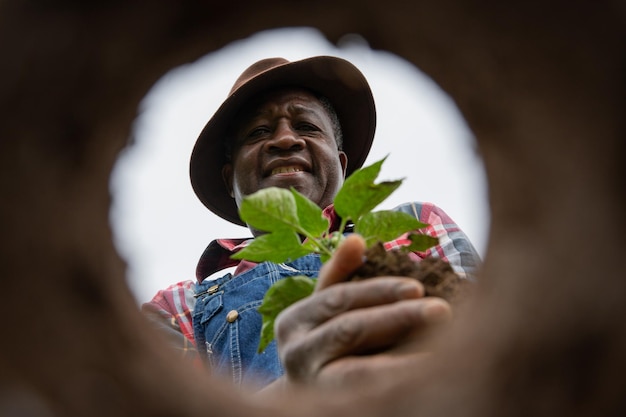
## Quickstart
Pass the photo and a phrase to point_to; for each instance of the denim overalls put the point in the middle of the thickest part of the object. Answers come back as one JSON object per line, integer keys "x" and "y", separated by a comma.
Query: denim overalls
{"x": 227, "y": 325}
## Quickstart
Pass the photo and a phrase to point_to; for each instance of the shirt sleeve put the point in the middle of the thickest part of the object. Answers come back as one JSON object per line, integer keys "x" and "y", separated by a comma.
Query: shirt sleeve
{"x": 454, "y": 246}
{"x": 170, "y": 312}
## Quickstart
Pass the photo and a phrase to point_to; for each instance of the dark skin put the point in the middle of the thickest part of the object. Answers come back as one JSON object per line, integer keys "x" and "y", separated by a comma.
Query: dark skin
{"x": 322, "y": 338}
{"x": 286, "y": 139}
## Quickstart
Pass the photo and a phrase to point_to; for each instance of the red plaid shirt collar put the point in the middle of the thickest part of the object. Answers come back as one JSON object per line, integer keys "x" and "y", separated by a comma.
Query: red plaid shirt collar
{"x": 217, "y": 255}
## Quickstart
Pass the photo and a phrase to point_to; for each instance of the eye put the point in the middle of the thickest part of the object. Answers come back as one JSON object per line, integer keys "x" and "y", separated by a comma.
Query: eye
{"x": 307, "y": 127}
{"x": 258, "y": 132}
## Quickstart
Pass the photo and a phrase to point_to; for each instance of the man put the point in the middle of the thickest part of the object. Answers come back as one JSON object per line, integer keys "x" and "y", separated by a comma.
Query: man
{"x": 305, "y": 124}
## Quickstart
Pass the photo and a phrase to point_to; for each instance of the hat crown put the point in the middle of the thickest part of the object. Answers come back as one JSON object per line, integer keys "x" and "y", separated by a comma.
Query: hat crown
{"x": 256, "y": 69}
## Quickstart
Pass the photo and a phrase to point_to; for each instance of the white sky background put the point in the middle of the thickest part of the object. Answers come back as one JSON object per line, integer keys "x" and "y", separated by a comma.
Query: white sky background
{"x": 161, "y": 228}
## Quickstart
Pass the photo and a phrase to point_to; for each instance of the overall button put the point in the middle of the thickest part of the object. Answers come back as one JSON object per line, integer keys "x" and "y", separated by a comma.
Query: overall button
{"x": 232, "y": 316}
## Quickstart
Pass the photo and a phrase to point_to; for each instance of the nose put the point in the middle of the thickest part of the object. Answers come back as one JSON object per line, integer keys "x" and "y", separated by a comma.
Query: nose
{"x": 285, "y": 138}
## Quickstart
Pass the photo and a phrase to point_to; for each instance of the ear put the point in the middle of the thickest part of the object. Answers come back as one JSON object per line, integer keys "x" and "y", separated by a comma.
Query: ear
{"x": 343, "y": 160}
{"x": 227, "y": 177}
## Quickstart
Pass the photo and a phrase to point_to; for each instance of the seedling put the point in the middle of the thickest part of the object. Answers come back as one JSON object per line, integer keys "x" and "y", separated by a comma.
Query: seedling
{"x": 295, "y": 227}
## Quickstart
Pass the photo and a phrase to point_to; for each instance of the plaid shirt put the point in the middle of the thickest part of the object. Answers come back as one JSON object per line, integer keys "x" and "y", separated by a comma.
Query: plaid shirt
{"x": 171, "y": 309}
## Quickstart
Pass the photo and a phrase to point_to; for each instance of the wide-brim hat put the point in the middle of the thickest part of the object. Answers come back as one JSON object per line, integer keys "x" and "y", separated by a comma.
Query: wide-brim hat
{"x": 334, "y": 78}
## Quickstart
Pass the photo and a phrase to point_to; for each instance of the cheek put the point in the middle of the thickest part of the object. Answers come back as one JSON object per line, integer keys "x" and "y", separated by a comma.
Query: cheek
{"x": 245, "y": 180}
{"x": 333, "y": 179}
{"x": 335, "y": 171}
{"x": 241, "y": 166}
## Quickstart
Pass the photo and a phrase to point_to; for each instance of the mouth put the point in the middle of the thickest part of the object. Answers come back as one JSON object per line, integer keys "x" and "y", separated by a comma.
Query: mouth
{"x": 286, "y": 170}
{"x": 289, "y": 166}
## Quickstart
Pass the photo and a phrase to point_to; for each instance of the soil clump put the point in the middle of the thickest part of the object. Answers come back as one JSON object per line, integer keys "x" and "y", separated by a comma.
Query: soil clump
{"x": 436, "y": 274}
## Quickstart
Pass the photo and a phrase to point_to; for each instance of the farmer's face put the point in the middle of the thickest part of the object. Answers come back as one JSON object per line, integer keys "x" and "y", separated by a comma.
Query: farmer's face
{"x": 286, "y": 140}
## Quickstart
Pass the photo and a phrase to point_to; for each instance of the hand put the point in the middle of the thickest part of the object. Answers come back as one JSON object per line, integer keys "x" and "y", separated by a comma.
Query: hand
{"x": 349, "y": 330}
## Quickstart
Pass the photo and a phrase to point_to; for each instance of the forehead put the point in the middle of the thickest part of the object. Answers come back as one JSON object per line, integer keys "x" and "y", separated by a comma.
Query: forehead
{"x": 296, "y": 100}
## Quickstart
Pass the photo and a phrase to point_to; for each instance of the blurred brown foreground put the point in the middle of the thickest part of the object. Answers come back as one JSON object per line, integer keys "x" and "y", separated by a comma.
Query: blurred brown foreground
{"x": 541, "y": 84}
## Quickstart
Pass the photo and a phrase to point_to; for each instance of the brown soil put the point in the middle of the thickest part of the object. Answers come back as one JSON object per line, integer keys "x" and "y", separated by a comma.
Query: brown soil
{"x": 437, "y": 276}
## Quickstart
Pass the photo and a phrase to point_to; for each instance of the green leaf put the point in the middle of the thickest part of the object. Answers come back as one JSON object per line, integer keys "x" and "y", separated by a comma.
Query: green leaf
{"x": 280, "y": 296}
{"x": 310, "y": 246}
{"x": 386, "y": 225}
{"x": 420, "y": 242}
{"x": 269, "y": 209}
{"x": 309, "y": 215}
{"x": 360, "y": 195}
{"x": 279, "y": 246}
{"x": 287, "y": 216}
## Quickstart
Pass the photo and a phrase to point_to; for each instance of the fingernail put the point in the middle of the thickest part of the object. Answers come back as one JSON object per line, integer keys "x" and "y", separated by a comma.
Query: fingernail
{"x": 408, "y": 290}
{"x": 436, "y": 312}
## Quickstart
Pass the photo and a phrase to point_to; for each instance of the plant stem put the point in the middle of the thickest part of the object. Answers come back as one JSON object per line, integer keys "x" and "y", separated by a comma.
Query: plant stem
{"x": 343, "y": 224}
{"x": 315, "y": 240}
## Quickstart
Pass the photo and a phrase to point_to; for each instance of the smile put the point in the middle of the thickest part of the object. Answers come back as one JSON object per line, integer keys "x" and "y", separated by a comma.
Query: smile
{"x": 286, "y": 170}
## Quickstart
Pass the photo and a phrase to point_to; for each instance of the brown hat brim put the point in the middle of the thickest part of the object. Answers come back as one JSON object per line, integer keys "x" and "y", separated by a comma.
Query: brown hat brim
{"x": 334, "y": 78}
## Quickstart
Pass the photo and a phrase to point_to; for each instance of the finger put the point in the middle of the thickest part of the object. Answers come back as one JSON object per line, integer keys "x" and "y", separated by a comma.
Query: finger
{"x": 346, "y": 259}
{"x": 370, "y": 370}
{"x": 360, "y": 331}
{"x": 323, "y": 305}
